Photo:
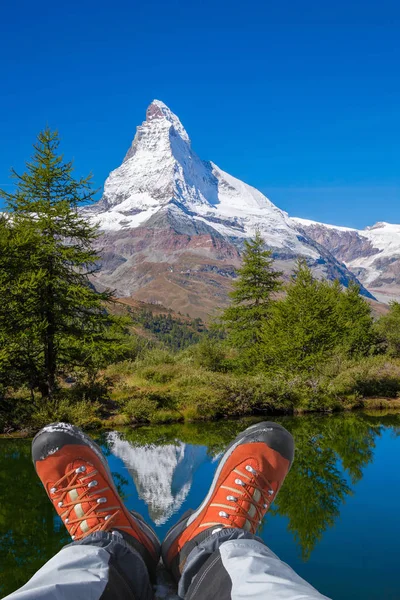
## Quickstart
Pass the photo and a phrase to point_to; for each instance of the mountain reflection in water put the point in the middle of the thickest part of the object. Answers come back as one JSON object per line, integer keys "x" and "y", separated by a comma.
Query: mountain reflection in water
{"x": 163, "y": 475}
{"x": 324, "y": 522}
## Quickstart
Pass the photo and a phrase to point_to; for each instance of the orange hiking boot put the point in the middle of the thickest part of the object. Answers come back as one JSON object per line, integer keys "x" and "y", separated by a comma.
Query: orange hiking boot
{"x": 246, "y": 482}
{"x": 78, "y": 481}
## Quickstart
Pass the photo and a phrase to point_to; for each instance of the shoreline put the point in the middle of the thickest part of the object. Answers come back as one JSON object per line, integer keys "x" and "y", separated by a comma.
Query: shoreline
{"x": 392, "y": 405}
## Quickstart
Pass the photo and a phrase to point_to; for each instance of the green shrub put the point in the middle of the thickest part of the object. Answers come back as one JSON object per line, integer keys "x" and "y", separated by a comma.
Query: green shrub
{"x": 156, "y": 356}
{"x": 85, "y": 388}
{"x": 83, "y": 413}
{"x": 121, "y": 369}
{"x": 15, "y": 410}
{"x": 209, "y": 354}
{"x": 388, "y": 330}
{"x": 140, "y": 409}
{"x": 374, "y": 376}
{"x": 119, "y": 420}
{"x": 159, "y": 373}
{"x": 202, "y": 403}
{"x": 166, "y": 416}
{"x": 190, "y": 413}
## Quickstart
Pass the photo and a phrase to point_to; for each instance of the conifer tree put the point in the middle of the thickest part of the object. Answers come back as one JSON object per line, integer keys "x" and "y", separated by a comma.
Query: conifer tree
{"x": 315, "y": 320}
{"x": 355, "y": 322}
{"x": 388, "y": 329}
{"x": 302, "y": 331}
{"x": 48, "y": 306}
{"x": 252, "y": 296}
{"x": 19, "y": 350}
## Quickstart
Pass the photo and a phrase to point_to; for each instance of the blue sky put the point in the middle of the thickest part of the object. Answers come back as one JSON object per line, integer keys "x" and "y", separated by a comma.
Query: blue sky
{"x": 300, "y": 99}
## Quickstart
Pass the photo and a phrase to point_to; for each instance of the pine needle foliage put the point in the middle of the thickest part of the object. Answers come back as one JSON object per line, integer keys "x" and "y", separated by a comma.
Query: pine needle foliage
{"x": 48, "y": 308}
{"x": 315, "y": 321}
{"x": 252, "y": 297}
{"x": 303, "y": 329}
{"x": 388, "y": 330}
{"x": 355, "y": 322}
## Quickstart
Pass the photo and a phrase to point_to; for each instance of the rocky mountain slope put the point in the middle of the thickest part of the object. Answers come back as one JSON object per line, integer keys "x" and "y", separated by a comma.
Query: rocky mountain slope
{"x": 173, "y": 226}
{"x": 372, "y": 254}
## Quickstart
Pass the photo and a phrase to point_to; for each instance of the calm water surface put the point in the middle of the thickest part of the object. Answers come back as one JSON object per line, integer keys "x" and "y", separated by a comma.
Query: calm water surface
{"x": 336, "y": 521}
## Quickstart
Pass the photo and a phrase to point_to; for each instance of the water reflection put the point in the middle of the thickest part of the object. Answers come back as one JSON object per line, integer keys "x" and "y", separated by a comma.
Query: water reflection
{"x": 172, "y": 466}
{"x": 30, "y": 533}
{"x": 331, "y": 453}
{"x": 163, "y": 474}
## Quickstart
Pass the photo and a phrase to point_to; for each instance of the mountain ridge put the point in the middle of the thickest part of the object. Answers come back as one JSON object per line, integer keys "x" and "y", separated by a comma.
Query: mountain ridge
{"x": 372, "y": 254}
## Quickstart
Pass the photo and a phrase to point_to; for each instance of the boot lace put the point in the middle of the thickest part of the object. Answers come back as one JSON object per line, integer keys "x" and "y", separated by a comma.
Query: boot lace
{"x": 104, "y": 515}
{"x": 258, "y": 498}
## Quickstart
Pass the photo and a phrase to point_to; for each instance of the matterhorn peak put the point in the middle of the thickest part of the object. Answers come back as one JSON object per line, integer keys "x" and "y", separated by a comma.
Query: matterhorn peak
{"x": 162, "y": 171}
{"x": 171, "y": 219}
{"x": 159, "y": 110}
{"x": 159, "y": 125}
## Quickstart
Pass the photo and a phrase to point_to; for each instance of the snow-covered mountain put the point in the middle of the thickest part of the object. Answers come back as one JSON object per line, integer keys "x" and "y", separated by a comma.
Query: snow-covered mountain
{"x": 173, "y": 225}
{"x": 372, "y": 254}
{"x": 161, "y": 172}
{"x": 163, "y": 475}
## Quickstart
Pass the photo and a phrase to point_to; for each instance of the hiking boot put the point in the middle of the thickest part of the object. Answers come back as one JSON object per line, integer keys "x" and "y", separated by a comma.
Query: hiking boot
{"x": 78, "y": 481}
{"x": 246, "y": 482}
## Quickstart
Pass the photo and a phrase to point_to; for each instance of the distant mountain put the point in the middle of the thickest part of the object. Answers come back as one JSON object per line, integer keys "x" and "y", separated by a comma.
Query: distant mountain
{"x": 372, "y": 254}
{"x": 173, "y": 225}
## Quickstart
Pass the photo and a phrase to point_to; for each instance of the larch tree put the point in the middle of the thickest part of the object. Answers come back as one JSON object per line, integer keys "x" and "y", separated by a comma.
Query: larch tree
{"x": 49, "y": 309}
{"x": 388, "y": 330}
{"x": 252, "y": 296}
{"x": 302, "y": 331}
{"x": 355, "y": 322}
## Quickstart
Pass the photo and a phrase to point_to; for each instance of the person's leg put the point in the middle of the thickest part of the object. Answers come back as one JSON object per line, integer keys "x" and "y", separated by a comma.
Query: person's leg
{"x": 233, "y": 564}
{"x": 213, "y": 552}
{"x": 114, "y": 552}
{"x": 101, "y": 566}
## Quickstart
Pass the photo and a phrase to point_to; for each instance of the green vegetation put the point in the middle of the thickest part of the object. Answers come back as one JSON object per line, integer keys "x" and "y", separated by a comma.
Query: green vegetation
{"x": 65, "y": 353}
{"x": 175, "y": 333}
{"x": 315, "y": 321}
{"x": 53, "y": 323}
{"x": 251, "y": 304}
{"x": 50, "y": 316}
{"x": 388, "y": 329}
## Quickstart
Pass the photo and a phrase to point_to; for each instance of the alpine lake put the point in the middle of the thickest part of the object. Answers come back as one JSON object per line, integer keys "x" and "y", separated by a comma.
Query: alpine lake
{"x": 336, "y": 520}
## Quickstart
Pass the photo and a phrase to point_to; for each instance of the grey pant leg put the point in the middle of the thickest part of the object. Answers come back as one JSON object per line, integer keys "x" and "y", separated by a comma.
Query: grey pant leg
{"x": 102, "y": 566}
{"x": 235, "y": 565}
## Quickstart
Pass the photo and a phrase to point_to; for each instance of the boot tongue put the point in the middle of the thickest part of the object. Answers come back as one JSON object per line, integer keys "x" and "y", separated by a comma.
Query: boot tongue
{"x": 89, "y": 501}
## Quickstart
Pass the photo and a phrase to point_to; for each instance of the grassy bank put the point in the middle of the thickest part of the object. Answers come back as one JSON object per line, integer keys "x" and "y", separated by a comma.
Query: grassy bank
{"x": 164, "y": 387}
{"x": 287, "y": 347}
